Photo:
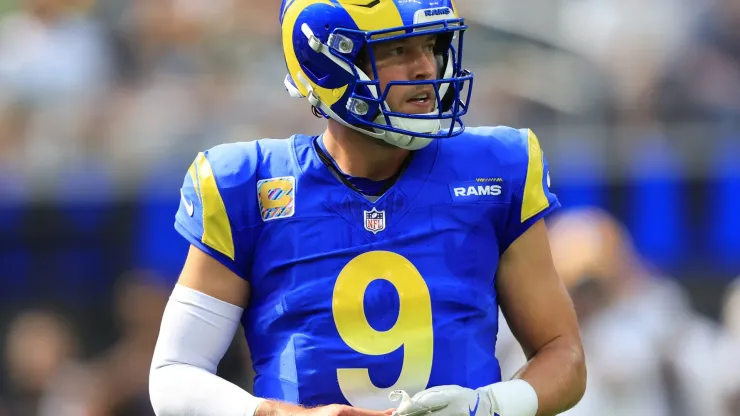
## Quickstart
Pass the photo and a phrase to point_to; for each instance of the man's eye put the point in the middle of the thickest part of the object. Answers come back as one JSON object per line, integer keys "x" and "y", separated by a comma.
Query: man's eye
{"x": 396, "y": 51}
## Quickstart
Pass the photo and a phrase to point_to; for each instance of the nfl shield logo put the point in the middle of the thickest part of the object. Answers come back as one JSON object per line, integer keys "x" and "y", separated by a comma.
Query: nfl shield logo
{"x": 374, "y": 221}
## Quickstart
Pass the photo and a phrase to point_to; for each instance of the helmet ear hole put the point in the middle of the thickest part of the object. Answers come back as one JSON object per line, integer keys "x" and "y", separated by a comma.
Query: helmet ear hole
{"x": 442, "y": 53}
{"x": 449, "y": 97}
{"x": 362, "y": 60}
{"x": 441, "y": 65}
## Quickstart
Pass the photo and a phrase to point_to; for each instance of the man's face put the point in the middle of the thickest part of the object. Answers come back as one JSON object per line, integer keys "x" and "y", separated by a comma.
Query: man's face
{"x": 410, "y": 59}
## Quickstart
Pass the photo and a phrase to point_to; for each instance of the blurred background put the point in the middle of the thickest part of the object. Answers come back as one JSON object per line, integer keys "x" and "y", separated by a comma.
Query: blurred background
{"x": 104, "y": 104}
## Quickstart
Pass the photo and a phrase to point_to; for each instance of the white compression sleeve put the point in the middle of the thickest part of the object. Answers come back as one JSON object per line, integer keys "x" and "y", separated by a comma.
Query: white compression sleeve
{"x": 195, "y": 333}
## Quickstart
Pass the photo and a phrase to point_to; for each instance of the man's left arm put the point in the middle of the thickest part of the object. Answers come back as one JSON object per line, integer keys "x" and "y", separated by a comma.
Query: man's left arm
{"x": 541, "y": 316}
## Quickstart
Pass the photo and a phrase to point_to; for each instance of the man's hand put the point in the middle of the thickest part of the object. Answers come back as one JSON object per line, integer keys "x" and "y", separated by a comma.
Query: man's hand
{"x": 445, "y": 401}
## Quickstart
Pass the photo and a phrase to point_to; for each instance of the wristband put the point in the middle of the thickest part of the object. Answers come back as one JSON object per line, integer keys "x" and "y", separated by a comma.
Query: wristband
{"x": 513, "y": 398}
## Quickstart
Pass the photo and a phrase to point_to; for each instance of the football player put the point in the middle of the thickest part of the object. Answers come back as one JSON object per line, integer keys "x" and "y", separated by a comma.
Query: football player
{"x": 368, "y": 264}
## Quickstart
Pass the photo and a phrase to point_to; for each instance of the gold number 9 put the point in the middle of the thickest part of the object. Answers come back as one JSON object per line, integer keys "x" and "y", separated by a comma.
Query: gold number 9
{"x": 412, "y": 330}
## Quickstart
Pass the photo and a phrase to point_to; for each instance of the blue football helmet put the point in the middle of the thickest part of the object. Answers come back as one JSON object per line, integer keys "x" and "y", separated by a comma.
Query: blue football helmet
{"x": 324, "y": 39}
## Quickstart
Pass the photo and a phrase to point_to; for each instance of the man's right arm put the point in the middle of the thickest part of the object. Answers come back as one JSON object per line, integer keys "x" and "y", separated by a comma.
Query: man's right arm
{"x": 198, "y": 325}
{"x": 206, "y": 306}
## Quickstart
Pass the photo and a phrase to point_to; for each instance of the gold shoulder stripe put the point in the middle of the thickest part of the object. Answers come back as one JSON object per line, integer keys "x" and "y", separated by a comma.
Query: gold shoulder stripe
{"x": 534, "y": 199}
{"x": 216, "y": 226}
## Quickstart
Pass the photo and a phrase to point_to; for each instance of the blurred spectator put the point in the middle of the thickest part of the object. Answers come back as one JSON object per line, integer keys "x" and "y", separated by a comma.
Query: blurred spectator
{"x": 39, "y": 347}
{"x": 122, "y": 371}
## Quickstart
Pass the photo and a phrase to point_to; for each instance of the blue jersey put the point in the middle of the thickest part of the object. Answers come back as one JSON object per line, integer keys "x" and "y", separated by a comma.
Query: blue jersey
{"x": 351, "y": 299}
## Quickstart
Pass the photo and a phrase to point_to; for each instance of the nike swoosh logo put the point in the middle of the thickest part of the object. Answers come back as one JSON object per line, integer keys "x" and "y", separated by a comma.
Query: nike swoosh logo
{"x": 475, "y": 409}
{"x": 189, "y": 207}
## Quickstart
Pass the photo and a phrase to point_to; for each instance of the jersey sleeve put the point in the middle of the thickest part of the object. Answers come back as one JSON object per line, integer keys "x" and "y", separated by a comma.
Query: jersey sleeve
{"x": 532, "y": 199}
{"x": 210, "y": 208}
